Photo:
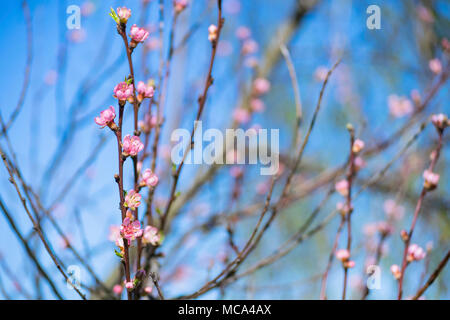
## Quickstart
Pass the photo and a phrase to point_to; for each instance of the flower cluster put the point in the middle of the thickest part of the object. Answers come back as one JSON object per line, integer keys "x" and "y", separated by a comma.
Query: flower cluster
{"x": 395, "y": 269}
{"x": 151, "y": 235}
{"x": 106, "y": 117}
{"x": 358, "y": 145}
{"x": 130, "y": 230}
{"x": 431, "y": 179}
{"x": 144, "y": 91}
{"x": 180, "y": 5}
{"x": 149, "y": 178}
{"x": 344, "y": 256}
{"x": 137, "y": 35}
{"x": 440, "y": 121}
{"x": 123, "y": 91}
{"x": 399, "y": 106}
{"x": 415, "y": 253}
{"x": 131, "y": 145}
{"x": 132, "y": 200}
{"x": 212, "y": 33}
{"x": 342, "y": 187}
{"x": 124, "y": 14}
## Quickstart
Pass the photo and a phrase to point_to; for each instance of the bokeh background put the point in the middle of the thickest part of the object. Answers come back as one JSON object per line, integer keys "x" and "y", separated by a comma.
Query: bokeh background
{"x": 70, "y": 163}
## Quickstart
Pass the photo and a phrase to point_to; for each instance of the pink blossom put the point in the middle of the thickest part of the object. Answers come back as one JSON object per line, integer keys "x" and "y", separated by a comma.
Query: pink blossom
{"x": 415, "y": 253}
{"x": 151, "y": 235}
{"x": 123, "y": 91}
{"x": 144, "y": 90}
{"x": 440, "y": 121}
{"x": 149, "y": 178}
{"x": 124, "y": 14}
{"x": 212, "y": 33}
{"x": 130, "y": 230}
{"x": 132, "y": 199}
{"x": 241, "y": 115}
{"x": 243, "y": 33}
{"x": 106, "y": 117}
{"x": 349, "y": 264}
{"x": 435, "y": 66}
{"x": 393, "y": 210}
{"x": 129, "y": 285}
{"x": 359, "y": 163}
{"x": 180, "y": 5}
{"x": 114, "y": 232}
{"x": 320, "y": 73}
{"x": 399, "y": 106}
{"x": 148, "y": 290}
{"x": 395, "y": 269}
{"x": 148, "y": 123}
{"x": 431, "y": 179}
{"x": 138, "y": 34}
{"x": 117, "y": 289}
{"x": 261, "y": 86}
{"x": 342, "y": 187}
{"x": 131, "y": 145}
{"x": 343, "y": 255}
{"x": 249, "y": 46}
{"x": 87, "y": 8}
{"x": 257, "y": 105}
{"x": 384, "y": 228}
{"x": 358, "y": 145}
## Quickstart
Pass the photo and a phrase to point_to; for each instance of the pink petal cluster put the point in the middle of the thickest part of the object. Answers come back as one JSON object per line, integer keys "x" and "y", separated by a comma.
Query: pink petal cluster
{"x": 261, "y": 86}
{"x": 435, "y": 66}
{"x": 243, "y": 33}
{"x": 132, "y": 200}
{"x": 431, "y": 179}
{"x": 399, "y": 106}
{"x": 249, "y": 46}
{"x": 358, "y": 145}
{"x": 415, "y": 253}
{"x": 130, "y": 230}
{"x": 257, "y": 105}
{"x": 106, "y": 117}
{"x": 129, "y": 285}
{"x": 393, "y": 210}
{"x": 343, "y": 208}
{"x": 148, "y": 123}
{"x": 212, "y": 33}
{"x": 123, "y": 91}
{"x": 395, "y": 269}
{"x": 117, "y": 289}
{"x": 241, "y": 115}
{"x": 151, "y": 235}
{"x": 144, "y": 90}
{"x": 138, "y": 34}
{"x": 149, "y": 178}
{"x": 124, "y": 14}
{"x": 440, "y": 121}
{"x": 320, "y": 73}
{"x": 342, "y": 187}
{"x": 180, "y": 5}
{"x": 359, "y": 163}
{"x": 131, "y": 145}
{"x": 344, "y": 255}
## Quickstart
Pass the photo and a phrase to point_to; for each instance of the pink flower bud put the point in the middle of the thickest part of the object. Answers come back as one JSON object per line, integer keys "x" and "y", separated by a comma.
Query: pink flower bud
{"x": 117, "y": 289}
{"x": 149, "y": 179}
{"x": 148, "y": 290}
{"x": 123, "y": 91}
{"x": 349, "y": 264}
{"x": 343, "y": 255}
{"x": 131, "y": 146}
{"x": 130, "y": 230}
{"x": 106, "y": 117}
{"x": 129, "y": 285}
{"x": 358, "y": 145}
{"x": 431, "y": 180}
{"x": 342, "y": 187}
{"x": 144, "y": 90}
{"x": 151, "y": 235}
{"x": 359, "y": 163}
{"x": 320, "y": 74}
{"x": 180, "y": 5}
{"x": 243, "y": 33}
{"x": 399, "y": 106}
{"x": 212, "y": 33}
{"x": 395, "y": 269}
{"x": 132, "y": 200}
{"x": 249, "y": 46}
{"x": 415, "y": 253}
{"x": 137, "y": 34}
{"x": 124, "y": 14}
{"x": 440, "y": 121}
{"x": 435, "y": 66}
{"x": 261, "y": 86}
{"x": 241, "y": 115}
{"x": 257, "y": 105}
